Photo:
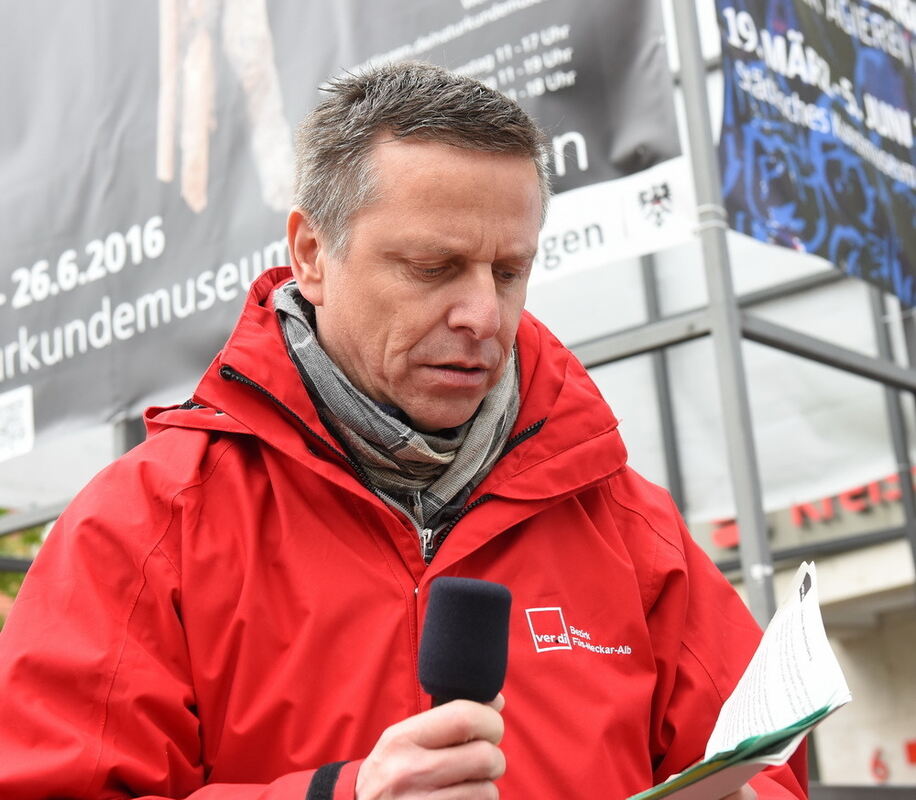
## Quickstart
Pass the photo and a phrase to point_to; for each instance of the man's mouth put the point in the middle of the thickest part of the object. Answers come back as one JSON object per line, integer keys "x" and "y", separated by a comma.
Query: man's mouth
{"x": 458, "y": 376}
{"x": 459, "y": 368}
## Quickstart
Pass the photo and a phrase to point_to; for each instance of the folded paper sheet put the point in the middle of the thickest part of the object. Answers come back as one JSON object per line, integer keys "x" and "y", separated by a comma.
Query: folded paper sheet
{"x": 792, "y": 683}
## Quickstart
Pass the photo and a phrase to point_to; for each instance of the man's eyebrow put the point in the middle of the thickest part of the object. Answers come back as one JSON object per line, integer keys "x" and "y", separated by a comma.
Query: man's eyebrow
{"x": 428, "y": 249}
{"x": 420, "y": 247}
{"x": 525, "y": 255}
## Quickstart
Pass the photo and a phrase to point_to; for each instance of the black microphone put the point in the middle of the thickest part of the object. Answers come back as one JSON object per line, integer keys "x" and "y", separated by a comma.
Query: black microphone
{"x": 465, "y": 642}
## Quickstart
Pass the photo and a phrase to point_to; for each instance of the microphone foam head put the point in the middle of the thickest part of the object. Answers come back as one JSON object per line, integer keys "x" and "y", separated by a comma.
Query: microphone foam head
{"x": 465, "y": 644}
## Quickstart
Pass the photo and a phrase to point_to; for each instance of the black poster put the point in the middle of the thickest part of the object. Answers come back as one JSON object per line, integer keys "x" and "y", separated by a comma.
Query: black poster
{"x": 146, "y": 161}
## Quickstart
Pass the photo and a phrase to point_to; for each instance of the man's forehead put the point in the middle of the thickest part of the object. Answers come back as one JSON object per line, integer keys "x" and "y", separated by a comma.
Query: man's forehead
{"x": 439, "y": 200}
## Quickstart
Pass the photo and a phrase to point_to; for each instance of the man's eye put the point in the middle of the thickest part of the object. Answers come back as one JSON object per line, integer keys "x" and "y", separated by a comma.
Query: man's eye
{"x": 509, "y": 275}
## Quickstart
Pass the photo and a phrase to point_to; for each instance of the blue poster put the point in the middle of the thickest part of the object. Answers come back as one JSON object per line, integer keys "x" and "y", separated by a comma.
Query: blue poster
{"x": 816, "y": 150}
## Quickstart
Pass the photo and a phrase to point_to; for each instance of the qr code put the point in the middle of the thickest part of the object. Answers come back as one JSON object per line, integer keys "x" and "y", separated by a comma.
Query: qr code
{"x": 17, "y": 422}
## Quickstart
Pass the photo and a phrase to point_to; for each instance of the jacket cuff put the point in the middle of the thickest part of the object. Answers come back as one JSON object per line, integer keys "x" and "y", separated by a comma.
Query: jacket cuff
{"x": 335, "y": 781}
{"x": 346, "y": 781}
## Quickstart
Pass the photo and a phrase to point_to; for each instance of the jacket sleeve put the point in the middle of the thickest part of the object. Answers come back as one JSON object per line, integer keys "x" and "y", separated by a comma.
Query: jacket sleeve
{"x": 96, "y": 700}
{"x": 703, "y": 637}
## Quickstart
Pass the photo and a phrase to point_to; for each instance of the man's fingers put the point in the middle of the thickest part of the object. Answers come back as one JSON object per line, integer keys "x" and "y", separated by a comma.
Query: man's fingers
{"x": 473, "y": 790}
{"x": 478, "y": 760}
{"x": 455, "y": 723}
{"x": 427, "y": 771}
{"x": 453, "y": 746}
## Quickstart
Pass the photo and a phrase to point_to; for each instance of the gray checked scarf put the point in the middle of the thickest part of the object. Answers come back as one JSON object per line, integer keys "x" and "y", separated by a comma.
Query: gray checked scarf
{"x": 426, "y": 475}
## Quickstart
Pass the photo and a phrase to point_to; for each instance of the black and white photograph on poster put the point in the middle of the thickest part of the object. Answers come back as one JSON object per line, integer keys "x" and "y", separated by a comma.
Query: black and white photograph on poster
{"x": 817, "y": 149}
{"x": 125, "y": 256}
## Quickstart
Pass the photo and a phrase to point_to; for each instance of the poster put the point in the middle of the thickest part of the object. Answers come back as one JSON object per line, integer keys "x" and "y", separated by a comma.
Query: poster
{"x": 817, "y": 151}
{"x": 146, "y": 160}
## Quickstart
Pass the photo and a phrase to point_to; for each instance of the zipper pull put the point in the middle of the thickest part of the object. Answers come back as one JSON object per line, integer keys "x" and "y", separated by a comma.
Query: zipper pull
{"x": 426, "y": 544}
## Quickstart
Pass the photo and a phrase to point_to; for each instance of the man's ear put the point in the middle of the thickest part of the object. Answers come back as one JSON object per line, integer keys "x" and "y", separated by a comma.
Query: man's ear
{"x": 306, "y": 255}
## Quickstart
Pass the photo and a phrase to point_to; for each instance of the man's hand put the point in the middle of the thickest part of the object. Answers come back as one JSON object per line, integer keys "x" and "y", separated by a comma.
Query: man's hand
{"x": 447, "y": 753}
{"x": 744, "y": 793}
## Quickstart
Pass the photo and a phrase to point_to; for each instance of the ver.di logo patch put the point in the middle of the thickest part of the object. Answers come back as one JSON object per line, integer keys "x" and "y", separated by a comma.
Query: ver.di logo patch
{"x": 550, "y": 632}
{"x": 548, "y": 628}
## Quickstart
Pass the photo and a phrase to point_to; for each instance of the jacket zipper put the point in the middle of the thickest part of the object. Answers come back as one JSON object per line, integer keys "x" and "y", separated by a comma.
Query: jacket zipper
{"x": 520, "y": 437}
{"x": 432, "y": 545}
{"x": 426, "y": 544}
{"x": 430, "y": 542}
{"x": 424, "y": 535}
{"x": 229, "y": 373}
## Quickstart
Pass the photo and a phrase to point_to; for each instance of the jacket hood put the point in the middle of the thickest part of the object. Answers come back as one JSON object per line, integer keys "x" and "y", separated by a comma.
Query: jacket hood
{"x": 565, "y": 436}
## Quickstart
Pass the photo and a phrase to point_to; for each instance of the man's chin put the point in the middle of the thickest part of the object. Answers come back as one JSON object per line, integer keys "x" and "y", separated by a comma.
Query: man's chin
{"x": 435, "y": 421}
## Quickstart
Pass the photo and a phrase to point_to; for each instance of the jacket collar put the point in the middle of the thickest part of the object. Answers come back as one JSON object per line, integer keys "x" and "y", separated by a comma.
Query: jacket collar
{"x": 256, "y": 387}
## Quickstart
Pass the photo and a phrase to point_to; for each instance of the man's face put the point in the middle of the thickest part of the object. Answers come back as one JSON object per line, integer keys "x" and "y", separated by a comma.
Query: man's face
{"x": 421, "y": 312}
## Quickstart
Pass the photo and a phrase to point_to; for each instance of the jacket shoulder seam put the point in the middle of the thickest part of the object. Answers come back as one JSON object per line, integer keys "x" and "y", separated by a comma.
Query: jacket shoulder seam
{"x": 659, "y": 533}
{"x": 706, "y": 672}
{"x": 156, "y": 547}
{"x": 660, "y": 536}
{"x": 652, "y": 525}
{"x": 226, "y": 446}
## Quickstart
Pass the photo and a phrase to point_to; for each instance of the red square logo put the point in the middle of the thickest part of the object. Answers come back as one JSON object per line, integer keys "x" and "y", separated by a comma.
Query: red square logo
{"x": 548, "y": 629}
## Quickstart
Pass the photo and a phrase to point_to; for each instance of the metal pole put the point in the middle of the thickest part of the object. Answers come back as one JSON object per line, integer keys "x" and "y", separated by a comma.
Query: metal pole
{"x": 896, "y": 423}
{"x": 909, "y": 334}
{"x": 756, "y": 561}
{"x": 663, "y": 390}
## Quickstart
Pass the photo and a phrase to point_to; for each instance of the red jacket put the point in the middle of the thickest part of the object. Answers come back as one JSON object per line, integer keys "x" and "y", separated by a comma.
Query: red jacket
{"x": 227, "y": 607}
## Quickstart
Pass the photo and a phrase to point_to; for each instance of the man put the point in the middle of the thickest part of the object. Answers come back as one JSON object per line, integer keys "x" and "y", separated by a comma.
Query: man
{"x": 232, "y": 609}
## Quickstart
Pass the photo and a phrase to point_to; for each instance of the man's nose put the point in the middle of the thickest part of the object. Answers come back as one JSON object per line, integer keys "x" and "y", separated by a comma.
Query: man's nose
{"x": 476, "y": 306}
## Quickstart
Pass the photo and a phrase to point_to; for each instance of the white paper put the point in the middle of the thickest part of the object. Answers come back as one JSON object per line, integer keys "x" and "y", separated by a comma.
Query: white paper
{"x": 793, "y": 674}
{"x": 791, "y": 684}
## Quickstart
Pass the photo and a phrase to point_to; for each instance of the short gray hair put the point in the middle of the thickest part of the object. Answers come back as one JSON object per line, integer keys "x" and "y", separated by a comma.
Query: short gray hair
{"x": 334, "y": 143}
